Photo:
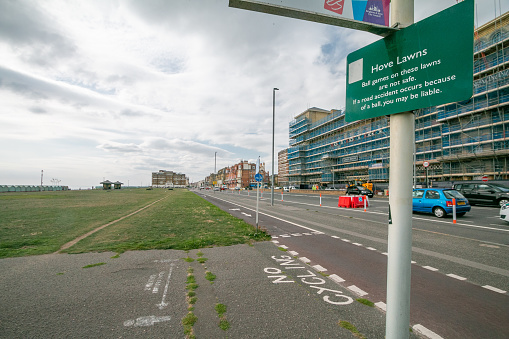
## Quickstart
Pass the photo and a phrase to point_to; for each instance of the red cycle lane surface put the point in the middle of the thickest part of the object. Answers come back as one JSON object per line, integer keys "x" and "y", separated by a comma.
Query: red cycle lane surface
{"x": 448, "y": 307}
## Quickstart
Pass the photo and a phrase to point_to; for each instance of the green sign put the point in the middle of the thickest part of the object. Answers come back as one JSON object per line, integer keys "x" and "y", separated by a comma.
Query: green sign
{"x": 426, "y": 64}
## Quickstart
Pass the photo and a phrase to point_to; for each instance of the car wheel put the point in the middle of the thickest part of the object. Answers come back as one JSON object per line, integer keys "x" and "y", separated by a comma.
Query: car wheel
{"x": 503, "y": 201}
{"x": 439, "y": 212}
{"x": 460, "y": 214}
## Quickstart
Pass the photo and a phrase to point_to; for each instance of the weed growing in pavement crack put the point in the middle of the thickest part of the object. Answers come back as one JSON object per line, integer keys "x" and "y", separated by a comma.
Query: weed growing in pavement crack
{"x": 201, "y": 260}
{"x": 189, "y": 319}
{"x": 223, "y": 323}
{"x": 366, "y": 302}
{"x": 210, "y": 276}
{"x": 346, "y": 325}
{"x": 93, "y": 265}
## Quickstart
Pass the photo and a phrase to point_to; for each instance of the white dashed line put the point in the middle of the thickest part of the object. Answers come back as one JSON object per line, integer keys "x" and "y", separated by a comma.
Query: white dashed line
{"x": 345, "y": 240}
{"x": 275, "y": 241}
{"x": 293, "y": 253}
{"x": 356, "y": 244}
{"x": 381, "y": 305}
{"x": 357, "y": 290}
{"x": 456, "y": 276}
{"x": 336, "y": 278}
{"x": 297, "y": 235}
{"x": 385, "y": 253}
{"x": 305, "y": 260}
{"x": 283, "y": 246}
{"x": 371, "y": 248}
{"x": 424, "y": 331}
{"x": 273, "y": 237}
{"x": 285, "y": 236}
{"x": 319, "y": 268}
{"x": 494, "y": 289}
{"x": 335, "y": 237}
{"x": 430, "y": 268}
{"x": 306, "y": 233}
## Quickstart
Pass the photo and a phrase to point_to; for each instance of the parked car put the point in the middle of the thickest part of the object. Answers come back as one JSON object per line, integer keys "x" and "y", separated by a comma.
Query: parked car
{"x": 484, "y": 193}
{"x": 359, "y": 190}
{"x": 439, "y": 201}
{"x": 504, "y": 212}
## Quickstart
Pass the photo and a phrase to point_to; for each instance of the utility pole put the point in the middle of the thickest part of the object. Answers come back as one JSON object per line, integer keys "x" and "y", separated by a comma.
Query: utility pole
{"x": 402, "y": 142}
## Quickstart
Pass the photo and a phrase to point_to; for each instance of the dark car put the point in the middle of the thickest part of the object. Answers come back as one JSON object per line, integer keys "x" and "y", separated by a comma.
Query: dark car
{"x": 484, "y": 193}
{"x": 359, "y": 190}
{"x": 439, "y": 201}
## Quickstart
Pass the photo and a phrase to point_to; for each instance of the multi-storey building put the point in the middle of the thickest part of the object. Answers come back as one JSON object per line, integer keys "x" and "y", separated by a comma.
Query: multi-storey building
{"x": 240, "y": 175}
{"x": 461, "y": 141}
{"x": 282, "y": 168}
{"x": 169, "y": 179}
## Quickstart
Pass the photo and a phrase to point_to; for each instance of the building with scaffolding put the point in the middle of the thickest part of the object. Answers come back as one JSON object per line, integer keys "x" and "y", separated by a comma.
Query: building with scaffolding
{"x": 461, "y": 141}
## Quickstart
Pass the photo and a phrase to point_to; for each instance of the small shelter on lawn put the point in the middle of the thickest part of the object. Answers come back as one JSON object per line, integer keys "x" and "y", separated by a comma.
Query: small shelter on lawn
{"x": 117, "y": 185}
{"x": 106, "y": 184}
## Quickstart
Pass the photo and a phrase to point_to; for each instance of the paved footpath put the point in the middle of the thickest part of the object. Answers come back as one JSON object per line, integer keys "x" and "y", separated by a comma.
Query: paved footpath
{"x": 268, "y": 293}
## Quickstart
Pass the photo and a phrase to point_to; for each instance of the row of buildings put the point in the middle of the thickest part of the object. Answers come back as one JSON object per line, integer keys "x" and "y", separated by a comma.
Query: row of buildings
{"x": 241, "y": 175}
{"x": 461, "y": 141}
{"x": 166, "y": 179}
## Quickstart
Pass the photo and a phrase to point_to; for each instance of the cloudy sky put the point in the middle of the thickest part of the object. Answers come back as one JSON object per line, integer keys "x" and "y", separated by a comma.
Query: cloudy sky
{"x": 117, "y": 89}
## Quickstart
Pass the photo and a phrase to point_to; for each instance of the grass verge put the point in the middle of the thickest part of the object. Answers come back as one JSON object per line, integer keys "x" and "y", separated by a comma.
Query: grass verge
{"x": 182, "y": 221}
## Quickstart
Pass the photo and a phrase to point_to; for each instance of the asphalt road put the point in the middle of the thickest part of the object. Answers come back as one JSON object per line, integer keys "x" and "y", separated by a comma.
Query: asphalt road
{"x": 460, "y": 275}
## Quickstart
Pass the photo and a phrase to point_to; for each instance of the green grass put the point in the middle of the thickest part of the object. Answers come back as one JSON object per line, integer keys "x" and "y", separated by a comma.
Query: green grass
{"x": 351, "y": 328}
{"x": 35, "y": 223}
{"x": 94, "y": 265}
{"x": 210, "y": 276}
{"x": 366, "y": 302}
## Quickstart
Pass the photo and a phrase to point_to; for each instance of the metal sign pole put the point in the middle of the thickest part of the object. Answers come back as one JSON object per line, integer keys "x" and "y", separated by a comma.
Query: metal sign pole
{"x": 257, "y": 200}
{"x": 400, "y": 201}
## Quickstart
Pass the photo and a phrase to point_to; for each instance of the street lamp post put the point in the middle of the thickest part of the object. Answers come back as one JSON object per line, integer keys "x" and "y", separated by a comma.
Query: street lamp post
{"x": 273, "y": 131}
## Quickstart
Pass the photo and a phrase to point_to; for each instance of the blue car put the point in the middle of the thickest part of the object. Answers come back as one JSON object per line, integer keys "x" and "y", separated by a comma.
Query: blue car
{"x": 438, "y": 201}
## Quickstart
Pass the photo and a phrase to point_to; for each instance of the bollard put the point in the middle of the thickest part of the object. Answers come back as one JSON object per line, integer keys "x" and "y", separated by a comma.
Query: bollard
{"x": 281, "y": 196}
{"x": 365, "y": 199}
{"x": 320, "y": 199}
{"x": 453, "y": 210}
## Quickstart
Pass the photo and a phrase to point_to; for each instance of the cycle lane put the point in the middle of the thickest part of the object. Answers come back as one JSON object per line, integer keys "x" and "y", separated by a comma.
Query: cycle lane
{"x": 434, "y": 299}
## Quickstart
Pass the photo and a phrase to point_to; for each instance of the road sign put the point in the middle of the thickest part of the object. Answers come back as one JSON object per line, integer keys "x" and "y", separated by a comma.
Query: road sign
{"x": 425, "y": 164}
{"x": 258, "y": 177}
{"x": 369, "y": 16}
{"x": 485, "y": 178}
{"x": 426, "y": 64}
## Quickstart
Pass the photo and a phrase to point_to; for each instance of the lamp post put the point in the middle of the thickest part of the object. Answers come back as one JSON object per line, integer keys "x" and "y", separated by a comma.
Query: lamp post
{"x": 273, "y": 131}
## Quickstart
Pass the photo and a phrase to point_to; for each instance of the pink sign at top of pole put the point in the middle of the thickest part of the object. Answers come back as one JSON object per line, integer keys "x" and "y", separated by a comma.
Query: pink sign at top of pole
{"x": 366, "y": 15}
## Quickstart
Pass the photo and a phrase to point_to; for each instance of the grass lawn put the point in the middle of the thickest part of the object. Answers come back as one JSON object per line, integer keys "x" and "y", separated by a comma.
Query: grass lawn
{"x": 41, "y": 222}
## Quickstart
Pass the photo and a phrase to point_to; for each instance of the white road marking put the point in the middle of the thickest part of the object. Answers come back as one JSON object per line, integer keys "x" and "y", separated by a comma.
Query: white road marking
{"x": 285, "y": 236}
{"x": 371, "y": 248}
{"x": 275, "y": 241}
{"x": 381, "y": 305}
{"x": 146, "y": 321}
{"x": 357, "y": 290}
{"x": 427, "y": 333}
{"x": 335, "y": 237}
{"x": 163, "y": 303}
{"x": 319, "y": 268}
{"x": 336, "y": 278}
{"x": 356, "y": 244}
{"x": 306, "y": 233}
{"x": 234, "y": 209}
{"x": 297, "y": 234}
{"x": 494, "y": 289}
{"x": 456, "y": 276}
{"x": 293, "y": 253}
{"x": 274, "y": 237}
{"x": 305, "y": 260}
{"x": 158, "y": 282}
{"x": 385, "y": 253}
{"x": 247, "y": 215}
{"x": 430, "y": 268}
{"x": 345, "y": 240}
{"x": 283, "y": 246}
{"x": 150, "y": 282}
